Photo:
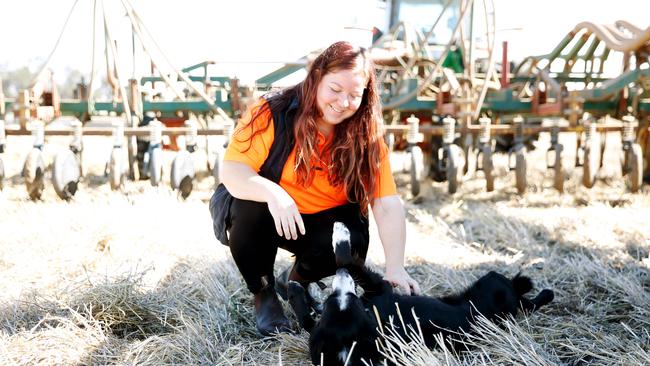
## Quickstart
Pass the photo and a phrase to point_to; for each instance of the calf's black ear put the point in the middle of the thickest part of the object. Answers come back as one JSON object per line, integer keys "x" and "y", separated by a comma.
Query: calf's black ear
{"x": 297, "y": 296}
{"x": 522, "y": 284}
{"x": 544, "y": 297}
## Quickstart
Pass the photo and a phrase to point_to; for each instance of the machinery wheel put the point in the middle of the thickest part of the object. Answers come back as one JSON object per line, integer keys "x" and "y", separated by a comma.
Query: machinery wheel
{"x": 579, "y": 147}
{"x": 33, "y": 172}
{"x": 436, "y": 169}
{"x": 182, "y": 173}
{"x": 471, "y": 157}
{"x": 488, "y": 168}
{"x": 520, "y": 170}
{"x": 185, "y": 187}
{"x": 134, "y": 169}
{"x": 2, "y": 174}
{"x": 590, "y": 167}
{"x": 603, "y": 145}
{"x": 558, "y": 172}
{"x": 66, "y": 172}
{"x": 116, "y": 169}
{"x": 454, "y": 168}
{"x": 635, "y": 160}
{"x": 417, "y": 166}
{"x": 155, "y": 166}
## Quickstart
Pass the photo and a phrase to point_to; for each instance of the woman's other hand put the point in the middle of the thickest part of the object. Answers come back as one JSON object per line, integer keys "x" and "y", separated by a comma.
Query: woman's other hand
{"x": 402, "y": 281}
{"x": 244, "y": 183}
{"x": 286, "y": 216}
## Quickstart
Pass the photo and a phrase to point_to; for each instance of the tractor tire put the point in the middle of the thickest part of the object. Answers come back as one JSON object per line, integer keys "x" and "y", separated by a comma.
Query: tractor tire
{"x": 558, "y": 171}
{"x": 34, "y": 173}
{"x": 589, "y": 167}
{"x": 417, "y": 167}
{"x": 455, "y": 165}
{"x": 182, "y": 173}
{"x": 155, "y": 166}
{"x": 116, "y": 169}
{"x": 520, "y": 171}
{"x": 2, "y": 174}
{"x": 488, "y": 167}
{"x": 66, "y": 173}
{"x": 635, "y": 161}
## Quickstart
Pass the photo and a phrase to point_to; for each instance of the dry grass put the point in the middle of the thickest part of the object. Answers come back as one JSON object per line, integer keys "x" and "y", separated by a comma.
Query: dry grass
{"x": 136, "y": 277}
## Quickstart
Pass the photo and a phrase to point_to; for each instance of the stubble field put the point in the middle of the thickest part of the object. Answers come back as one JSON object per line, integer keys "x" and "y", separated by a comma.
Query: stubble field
{"x": 136, "y": 277}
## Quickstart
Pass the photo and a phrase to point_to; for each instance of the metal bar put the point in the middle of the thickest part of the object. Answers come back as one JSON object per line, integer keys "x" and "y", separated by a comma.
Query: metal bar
{"x": 561, "y": 77}
{"x": 499, "y": 129}
{"x": 573, "y": 52}
{"x": 284, "y": 71}
{"x": 73, "y": 107}
{"x": 505, "y": 65}
{"x": 614, "y": 85}
{"x": 505, "y": 129}
{"x": 507, "y": 105}
{"x": 557, "y": 51}
{"x": 591, "y": 49}
{"x": 108, "y": 131}
{"x": 136, "y": 28}
{"x": 199, "y": 65}
{"x": 221, "y": 79}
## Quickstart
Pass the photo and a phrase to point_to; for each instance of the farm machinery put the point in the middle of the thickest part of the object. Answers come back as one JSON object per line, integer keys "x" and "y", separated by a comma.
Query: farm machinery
{"x": 450, "y": 106}
{"x": 453, "y": 111}
{"x": 139, "y": 120}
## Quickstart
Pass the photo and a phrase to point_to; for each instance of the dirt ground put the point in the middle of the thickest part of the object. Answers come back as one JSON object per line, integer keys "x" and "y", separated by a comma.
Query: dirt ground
{"x": 137, "y": 277}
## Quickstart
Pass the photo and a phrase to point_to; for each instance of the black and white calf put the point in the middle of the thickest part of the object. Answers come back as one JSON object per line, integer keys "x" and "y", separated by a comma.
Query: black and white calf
{"x": 345, "y": 332}
{"x": 348, "y": 325}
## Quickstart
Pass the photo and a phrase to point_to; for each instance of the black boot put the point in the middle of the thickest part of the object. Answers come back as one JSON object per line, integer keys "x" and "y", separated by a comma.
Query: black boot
{"x": 269, "y": 316}
{"x": 290, "y": 274}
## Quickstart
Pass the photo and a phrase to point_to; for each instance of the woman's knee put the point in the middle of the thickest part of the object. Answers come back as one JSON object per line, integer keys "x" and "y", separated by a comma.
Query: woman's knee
{"x": 250, "y": 217}
{"x": 248, "y": 212}
{"x": 251, "y": 224}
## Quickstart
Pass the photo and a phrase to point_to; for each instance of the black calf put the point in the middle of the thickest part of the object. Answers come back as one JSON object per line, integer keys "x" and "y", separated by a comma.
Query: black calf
{"x": 345, "y": 331}
{"x": 493, "y": 296}
{"x": 348, "y": 319}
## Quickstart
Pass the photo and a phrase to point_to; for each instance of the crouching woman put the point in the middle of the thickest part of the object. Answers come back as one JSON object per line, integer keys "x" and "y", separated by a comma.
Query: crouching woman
{"x": 298, "y": 161}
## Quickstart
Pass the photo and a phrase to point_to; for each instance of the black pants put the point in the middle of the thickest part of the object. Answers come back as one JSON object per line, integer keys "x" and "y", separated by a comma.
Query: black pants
{"x": 254, "y": 242}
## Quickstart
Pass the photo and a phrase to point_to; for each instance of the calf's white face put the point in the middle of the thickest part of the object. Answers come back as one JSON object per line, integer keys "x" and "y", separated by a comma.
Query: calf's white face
{"x": 343, "y": 285}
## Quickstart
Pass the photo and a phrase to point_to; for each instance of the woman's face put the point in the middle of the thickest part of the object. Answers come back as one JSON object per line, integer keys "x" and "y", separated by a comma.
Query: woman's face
{"x": 338, "y": 97}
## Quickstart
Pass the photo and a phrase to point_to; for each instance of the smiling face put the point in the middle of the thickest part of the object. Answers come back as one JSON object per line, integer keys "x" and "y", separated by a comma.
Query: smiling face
{"x": 339, "y": 96}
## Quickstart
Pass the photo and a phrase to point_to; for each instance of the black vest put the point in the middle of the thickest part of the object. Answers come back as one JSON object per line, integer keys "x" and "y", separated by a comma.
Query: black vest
{"x": 283, "y": 142}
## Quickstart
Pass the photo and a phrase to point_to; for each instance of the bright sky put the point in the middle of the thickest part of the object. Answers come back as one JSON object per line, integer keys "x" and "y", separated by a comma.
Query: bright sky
{"x": 259, "y": 30}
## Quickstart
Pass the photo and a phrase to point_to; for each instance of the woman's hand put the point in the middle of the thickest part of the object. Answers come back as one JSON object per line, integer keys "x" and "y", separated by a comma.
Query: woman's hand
{"x": 285, "y": 214}
{"x": 402, "y": 281}
{"x": 244, "y": 183}
{"x": 391, "y": 224}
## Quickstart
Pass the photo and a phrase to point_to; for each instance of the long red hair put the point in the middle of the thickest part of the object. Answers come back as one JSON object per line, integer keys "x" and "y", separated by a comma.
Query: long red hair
{"x": 353, "y": 154}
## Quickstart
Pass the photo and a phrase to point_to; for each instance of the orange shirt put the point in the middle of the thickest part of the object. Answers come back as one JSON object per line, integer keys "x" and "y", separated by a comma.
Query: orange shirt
{"x": 320, "y": 195}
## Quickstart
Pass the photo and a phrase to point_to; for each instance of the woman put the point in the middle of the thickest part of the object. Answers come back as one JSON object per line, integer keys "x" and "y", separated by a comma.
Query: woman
{"x": 299, "y": 161}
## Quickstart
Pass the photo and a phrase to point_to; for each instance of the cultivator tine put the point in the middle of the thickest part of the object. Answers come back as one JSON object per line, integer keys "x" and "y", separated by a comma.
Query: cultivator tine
{"x": 3, "y": 142}
{"x": 484, "y": 157}
{"x": 519, "y": 151}
{"x": 34, "y": 167}
{"x": 555, "y": 162}
{"x": 633, "y": 155}
{"x": 591, "y": 152}
{"x": 414, "y": 137}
